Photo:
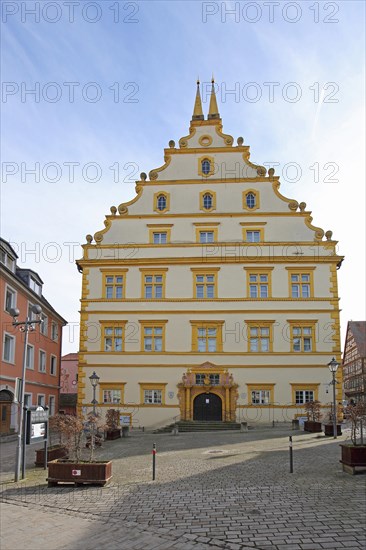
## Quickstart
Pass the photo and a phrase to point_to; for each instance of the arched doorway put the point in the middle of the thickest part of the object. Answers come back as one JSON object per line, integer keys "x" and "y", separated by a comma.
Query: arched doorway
{"x": 6, "y": 399}
{"x": 207, "y": 406}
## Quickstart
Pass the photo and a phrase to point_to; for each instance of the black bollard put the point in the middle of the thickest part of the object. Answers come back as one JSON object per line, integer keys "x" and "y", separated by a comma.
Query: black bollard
{"x": 291, "y": 457}
{"x": 154, "y": 461}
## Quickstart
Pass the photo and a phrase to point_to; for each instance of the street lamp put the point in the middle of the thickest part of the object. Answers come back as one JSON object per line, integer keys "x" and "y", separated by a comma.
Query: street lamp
{"x": 25, "y": 326}
{"x": 94, "y": 380}
{"x": 333, "y": 367}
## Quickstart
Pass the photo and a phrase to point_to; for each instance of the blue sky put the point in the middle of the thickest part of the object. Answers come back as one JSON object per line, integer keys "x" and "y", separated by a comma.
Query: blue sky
{"x": 311, "y": 52}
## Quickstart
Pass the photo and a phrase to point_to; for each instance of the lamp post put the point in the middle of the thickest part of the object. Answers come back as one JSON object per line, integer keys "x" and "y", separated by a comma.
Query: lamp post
{"x": 25, "y": 326}
{"x": 333, "y": 367}
{"x": 94, "y": 380}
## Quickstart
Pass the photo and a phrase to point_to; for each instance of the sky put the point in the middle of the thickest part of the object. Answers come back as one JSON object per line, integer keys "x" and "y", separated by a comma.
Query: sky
{"x": 92, "y": 92}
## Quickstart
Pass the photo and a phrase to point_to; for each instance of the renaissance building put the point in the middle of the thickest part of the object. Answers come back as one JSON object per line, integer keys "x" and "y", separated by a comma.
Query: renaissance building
{"x": 210, "y": 295}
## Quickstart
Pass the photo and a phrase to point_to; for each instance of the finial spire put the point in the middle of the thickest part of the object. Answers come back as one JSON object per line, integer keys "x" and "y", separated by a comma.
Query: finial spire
{"x": 197, "y": 111}
{"x": 213, "y": 110}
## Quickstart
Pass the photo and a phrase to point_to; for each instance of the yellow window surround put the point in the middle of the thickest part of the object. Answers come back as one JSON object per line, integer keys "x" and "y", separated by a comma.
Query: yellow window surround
{"x": 256, "y": 198}
{"x": 251, "y": 271}
{"x": 119, "y": 386}
{"x": 209, "y": 272}
{"x": 153, "y": 273}
{"x": 206, "y": 325}
{"x": 152, "y": 325}
{"x": 167, "y": 201}
{"x": 211, "y": 160}
{"x": 300, "y": 271}
{"x": 257, "y": 324}
{"x": 159, "y": 228}
{"x": 299, "y": 326}
{"x": 213, "y": 196}
{"x": 251, "y": 229}
{"x": 113, "y": 331}
{"x": 303, "y": 387}
{"x": 158, "y": 386}
{"x": 260, "y": 387}
{"x": 114, "y": 274}
{"x": 206, "y": 229}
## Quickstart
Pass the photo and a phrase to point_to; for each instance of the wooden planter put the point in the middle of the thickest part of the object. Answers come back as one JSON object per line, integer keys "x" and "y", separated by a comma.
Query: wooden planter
{"x": 353, "y": 458}
{"x": 54, "y": 452}
{"x": 328, "y": 429}
{"x": 312, "y": 427}
{"x": 113, "y": 433}
{"x": 68, "y": 471}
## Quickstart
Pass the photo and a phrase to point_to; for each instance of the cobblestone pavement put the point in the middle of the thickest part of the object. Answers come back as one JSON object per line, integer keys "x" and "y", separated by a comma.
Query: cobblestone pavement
{"x": 213, "y": 490}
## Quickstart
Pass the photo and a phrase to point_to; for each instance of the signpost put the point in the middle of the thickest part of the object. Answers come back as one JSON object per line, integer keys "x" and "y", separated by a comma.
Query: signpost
{"x": 35, "y": 430}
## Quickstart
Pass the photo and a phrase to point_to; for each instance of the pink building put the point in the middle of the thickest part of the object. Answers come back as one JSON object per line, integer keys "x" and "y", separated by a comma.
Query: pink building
{"x": 69, "y": 383}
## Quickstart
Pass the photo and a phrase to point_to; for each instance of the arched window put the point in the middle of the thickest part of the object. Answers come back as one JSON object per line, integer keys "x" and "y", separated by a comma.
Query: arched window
{"x": 207, "y": 201}
{"x": 250, "y": 200}
{"x": 161, "y": 202}
{"x": 206, "y": 167}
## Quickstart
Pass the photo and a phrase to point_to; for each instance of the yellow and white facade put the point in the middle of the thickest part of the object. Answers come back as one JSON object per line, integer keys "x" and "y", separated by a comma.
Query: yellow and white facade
{"x": 210, "y": 295}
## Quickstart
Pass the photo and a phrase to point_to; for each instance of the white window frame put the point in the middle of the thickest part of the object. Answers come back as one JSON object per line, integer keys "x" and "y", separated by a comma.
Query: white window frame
{"x": 44, "y": 325}
{"x": 303, "y": 396}
{"x": 55, "y": 361}
{"x": 12, "y": 349}
{"x": 30, "y": 396}
{"x": 13, "y": 292}
{"x": 261, "y": 397}
{"x": 39, "y": 361}
{"x": 42, "y": 395}
{"x": 153, "y": 397}
{"x": 51, "y": 408}
{"x": 207, "y": 237}
{"x": 115, "y": 397}
{"x": 54, "y": 331}
{"x": 30, "y": 367}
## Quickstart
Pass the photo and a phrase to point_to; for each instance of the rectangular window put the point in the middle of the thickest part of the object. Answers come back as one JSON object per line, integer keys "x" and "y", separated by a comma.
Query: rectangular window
{"x": 112, "y": 338}
{"x": 41, "y": 400}
{"x": 160, "y": 238}
{"x": 44, "y": 325}
{"x": 42, "y": 361}
{"x": 301, "y": 284}
{"x": 9, "y": 348}
{"x": 212, "y": 379}
{"x": 153, "y": 338}
{"x": 207, "y": 236}
{"x": 114, "y": 286}
{"x": 112, "y": 396}
{"x": 28, "y": 400}
{"x": 30, "y": 357}
{"x": 303, "y": 396}
{"x": 261, "y": 397}
{"x": 51, "y": 404}
{"x": 207, "y": 337}
{"x": 258, "y": 286}
{"x": 205, "y": 286}
{"x": 253, "y": 236}
{"x": 302, "y": 338}
{"x": 34, "y": 285}
{"x": 10, "y": 299}
{"x": 153, "y": 396}
{"x": 153, "y": 284}
{"x": 54, "y": 332}
{"x": 259, "y": 338}
{"x": 53, "y": 365}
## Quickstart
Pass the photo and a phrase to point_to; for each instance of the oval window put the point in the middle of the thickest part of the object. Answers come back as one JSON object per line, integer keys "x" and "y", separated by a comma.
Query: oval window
{"x": 250, "y": 200}
{"x": 161, "y": 203}
{"x": 207, "y": 201}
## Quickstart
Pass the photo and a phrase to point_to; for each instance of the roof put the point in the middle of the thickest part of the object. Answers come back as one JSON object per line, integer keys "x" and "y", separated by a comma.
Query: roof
{"x": 358, "y": 330}
{"x": 70, "y": 357}
{"x": 7, "y": 246}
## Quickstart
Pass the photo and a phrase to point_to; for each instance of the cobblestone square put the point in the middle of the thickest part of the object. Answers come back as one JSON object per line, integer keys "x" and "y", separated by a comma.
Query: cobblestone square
{"x": 241, "y": 497}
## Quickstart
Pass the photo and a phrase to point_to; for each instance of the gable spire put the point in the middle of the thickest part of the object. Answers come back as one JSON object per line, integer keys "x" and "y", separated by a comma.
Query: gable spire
{"x": 213, "y": 110}
{"x": 197, "y": 111}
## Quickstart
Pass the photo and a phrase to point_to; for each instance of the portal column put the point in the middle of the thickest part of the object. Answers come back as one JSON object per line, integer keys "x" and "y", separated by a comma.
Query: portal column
{"x": 227, "y": 404}
{"x": 188, "y": 403}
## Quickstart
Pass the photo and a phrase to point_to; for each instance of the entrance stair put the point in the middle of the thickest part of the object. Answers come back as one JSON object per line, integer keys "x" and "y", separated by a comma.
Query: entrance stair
{"x": 200, "y": 426}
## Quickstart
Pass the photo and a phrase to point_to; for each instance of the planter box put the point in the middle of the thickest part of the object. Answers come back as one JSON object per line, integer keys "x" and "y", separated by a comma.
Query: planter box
{"x": 353, "y": 458}
{"x": 68, "y": 471}
{"x": 312, "y": 427}
{"x": 328, "y": 429}
{"x": 113, "y": 433}
{"x": 54, "y": 452}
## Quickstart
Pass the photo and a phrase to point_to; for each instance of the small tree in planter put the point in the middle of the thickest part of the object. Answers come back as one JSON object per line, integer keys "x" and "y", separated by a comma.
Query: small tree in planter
{"x": 79, "y": 468}
{"x": 329, "y": 424}
{"x": 113, "y": 430}
{"x": 354, "y": 454}
{"x": 313, "y": 414}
